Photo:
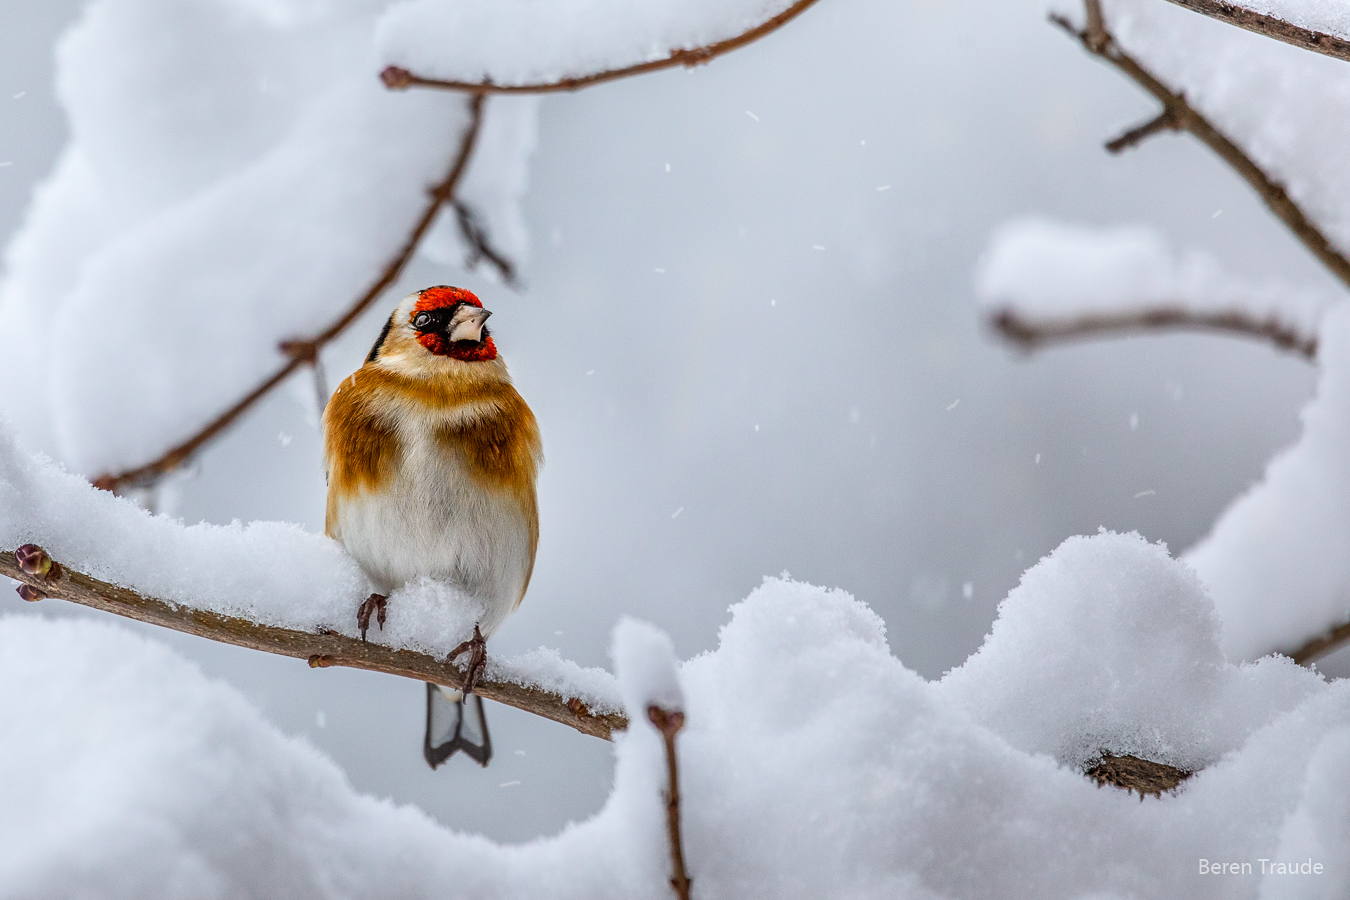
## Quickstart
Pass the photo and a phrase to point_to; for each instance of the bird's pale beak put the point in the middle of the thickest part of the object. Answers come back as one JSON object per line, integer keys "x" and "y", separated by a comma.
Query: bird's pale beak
{"x": 467, "y": 324}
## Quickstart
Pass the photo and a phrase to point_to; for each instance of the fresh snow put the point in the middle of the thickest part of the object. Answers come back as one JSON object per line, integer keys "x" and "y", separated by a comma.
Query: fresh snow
{"x": 1276, "y": 560}
{"x": 645, "y": 662}
{"x": 813, "y": 764}
{"x": 1109, "y": 643}
{"x": 273, "y": 573}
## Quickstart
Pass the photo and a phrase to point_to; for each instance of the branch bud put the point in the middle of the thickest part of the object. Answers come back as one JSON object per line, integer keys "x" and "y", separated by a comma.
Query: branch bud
{"x": 666, "y": 722}
{"x": 33, "y": 560}
{"x": 30, "y": 593}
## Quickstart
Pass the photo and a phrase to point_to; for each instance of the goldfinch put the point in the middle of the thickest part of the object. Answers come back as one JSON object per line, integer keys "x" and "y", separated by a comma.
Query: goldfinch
{"x": 431, "y": 457}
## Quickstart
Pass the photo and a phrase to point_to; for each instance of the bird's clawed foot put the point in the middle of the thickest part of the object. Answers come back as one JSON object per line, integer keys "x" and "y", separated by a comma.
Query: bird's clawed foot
{"x": 375, "y": 603}
{"x": 476, "y": 647}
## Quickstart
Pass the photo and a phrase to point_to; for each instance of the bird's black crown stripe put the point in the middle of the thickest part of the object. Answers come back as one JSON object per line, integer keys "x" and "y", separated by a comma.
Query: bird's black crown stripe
{"x": 379, "y": 341}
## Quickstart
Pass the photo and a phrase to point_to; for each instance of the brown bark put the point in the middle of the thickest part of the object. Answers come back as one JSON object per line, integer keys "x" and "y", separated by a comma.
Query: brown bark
{"x": 1131, "y": 773}
{"x": 397, "y": 79}
{"x": 1270, "y": 26}
{"x": 669, "y": 723}
{"x": 1032, "y": 333}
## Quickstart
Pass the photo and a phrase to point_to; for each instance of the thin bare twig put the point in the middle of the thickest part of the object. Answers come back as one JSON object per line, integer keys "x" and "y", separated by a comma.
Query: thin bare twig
{"x": 1188, "y": 119}
{"x": 669, "y": 723}
{"x": 396, "y": 78}
{"x": 475, "y": 233}
{"x": 302, "y": 352}
{"x": 1321, "y": 646}
{"x": 1030, "y": 334}
{"x": 1271, "y": 27}
{"x": 1096, "y": 25}
{"x": 1163, "y": 121}
{"x": 321, "y": 650}
{"x": 1178, "y": 115}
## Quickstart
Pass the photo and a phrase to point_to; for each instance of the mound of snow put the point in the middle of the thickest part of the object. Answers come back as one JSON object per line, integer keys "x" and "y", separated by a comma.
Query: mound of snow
{"x": 813, "y": 764}
{"x": 1109, "y": 644}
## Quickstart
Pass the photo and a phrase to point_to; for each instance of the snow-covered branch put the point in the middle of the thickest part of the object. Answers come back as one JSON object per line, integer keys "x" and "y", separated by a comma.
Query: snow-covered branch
{"x": 1031, "y": 334}
{"x": 1315, "y": 35}
{"x": 1043, "y": 282}
{"x": 1178, "y": 114}
{"x": 322, "y": 649}
{"x": 306, "y": 351}
{"x": 407, "y": 29}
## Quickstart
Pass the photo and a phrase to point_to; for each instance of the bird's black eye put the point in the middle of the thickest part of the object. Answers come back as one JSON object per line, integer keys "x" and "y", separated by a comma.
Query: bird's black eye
{"x": 422, "y": 320}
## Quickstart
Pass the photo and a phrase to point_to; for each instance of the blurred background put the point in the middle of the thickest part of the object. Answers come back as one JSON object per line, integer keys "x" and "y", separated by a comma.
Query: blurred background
{"x": 748, "y": 329}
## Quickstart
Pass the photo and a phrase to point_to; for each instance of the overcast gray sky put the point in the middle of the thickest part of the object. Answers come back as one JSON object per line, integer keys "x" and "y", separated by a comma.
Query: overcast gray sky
{"x": 721, "y": 400}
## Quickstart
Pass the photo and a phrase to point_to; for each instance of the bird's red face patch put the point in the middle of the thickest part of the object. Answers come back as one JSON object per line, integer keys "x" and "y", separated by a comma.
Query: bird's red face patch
{"x": 441, "y": 296}
{"x": 444, "y": 297}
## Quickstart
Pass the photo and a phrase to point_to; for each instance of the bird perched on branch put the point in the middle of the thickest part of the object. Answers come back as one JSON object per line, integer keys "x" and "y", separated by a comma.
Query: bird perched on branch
{"x": 431, "y": 458}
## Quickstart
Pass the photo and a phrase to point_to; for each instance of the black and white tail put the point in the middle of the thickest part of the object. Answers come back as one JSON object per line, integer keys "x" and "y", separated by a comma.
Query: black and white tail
{"x": 454, "y": 723}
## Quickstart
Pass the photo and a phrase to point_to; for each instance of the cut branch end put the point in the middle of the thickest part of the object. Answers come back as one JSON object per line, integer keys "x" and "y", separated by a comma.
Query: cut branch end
{"x": 396, "y": 79}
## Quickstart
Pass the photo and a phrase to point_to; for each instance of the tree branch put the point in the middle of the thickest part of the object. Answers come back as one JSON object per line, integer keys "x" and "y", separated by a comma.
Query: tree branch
{"x": 1322, "y": 646}
{"x": 1188, "y": 119}
{"x": 1096, "y": 25}
{"x": 1163, "y": 121}
{"x": 1270, "y": 26}
{"x": 397, "y": 79}
{"x": 40, "y": 578}
{"x": 321, "y": 650}
{"x": 474, "y": 232}
{"x": 306, "y": 351}
{"x": 669, "y": 723}
{"x": 1030, "y": 334}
